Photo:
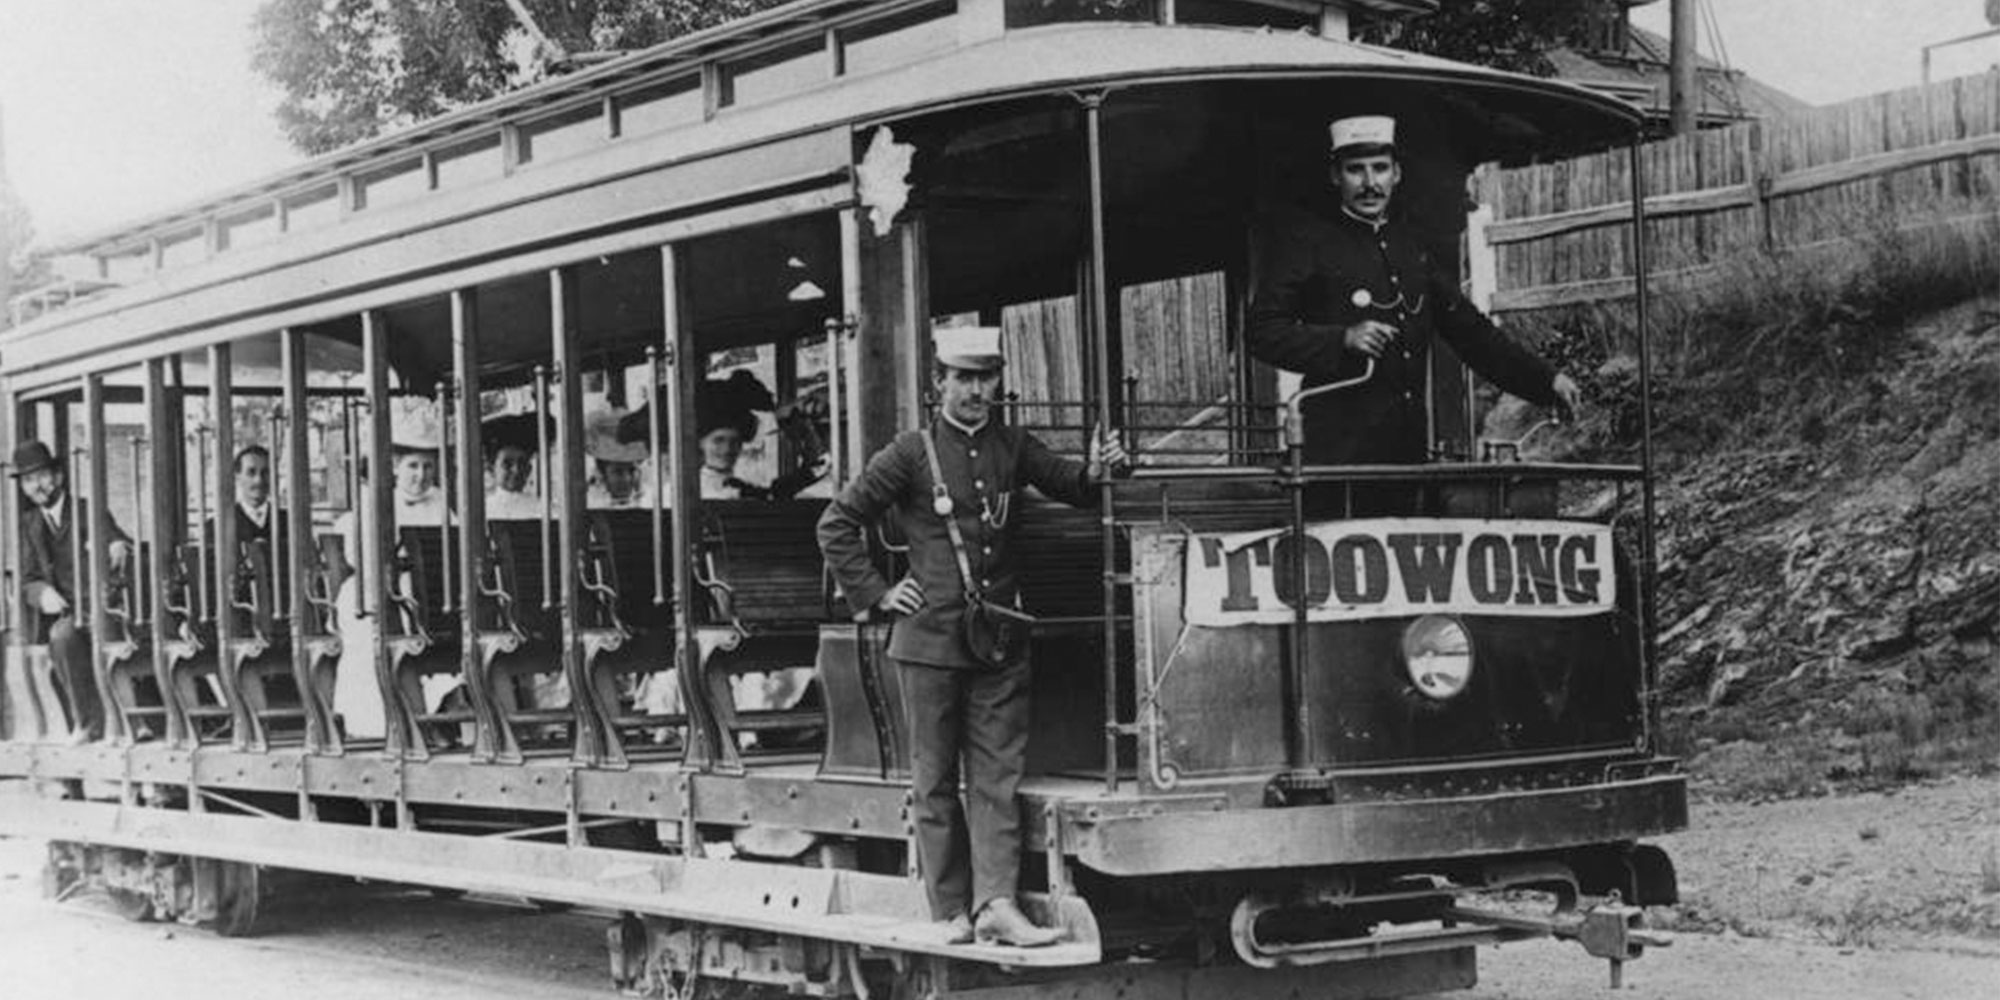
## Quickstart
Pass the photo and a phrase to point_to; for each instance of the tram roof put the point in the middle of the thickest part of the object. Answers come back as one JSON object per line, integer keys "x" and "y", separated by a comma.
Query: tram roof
{"x": 1020, "y": 60}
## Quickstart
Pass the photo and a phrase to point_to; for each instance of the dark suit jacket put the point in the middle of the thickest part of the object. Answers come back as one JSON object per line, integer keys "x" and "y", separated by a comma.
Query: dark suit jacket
{"x": 999, "y": 461}
{"x": 47, "y": 557}
{"x": 1321, "y": 272}
{"x": 273, "y": 533}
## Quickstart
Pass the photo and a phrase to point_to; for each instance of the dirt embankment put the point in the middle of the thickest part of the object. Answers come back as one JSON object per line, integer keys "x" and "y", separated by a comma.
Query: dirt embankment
{"x": 1830, "y": 586}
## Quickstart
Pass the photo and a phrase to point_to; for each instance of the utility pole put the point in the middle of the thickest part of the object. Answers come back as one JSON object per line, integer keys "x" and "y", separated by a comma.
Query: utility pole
{"x": 1683, "y": 94}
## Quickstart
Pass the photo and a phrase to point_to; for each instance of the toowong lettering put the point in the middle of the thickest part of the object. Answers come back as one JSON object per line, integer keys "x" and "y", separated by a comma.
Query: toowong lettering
{"x": 1401, "y": 566}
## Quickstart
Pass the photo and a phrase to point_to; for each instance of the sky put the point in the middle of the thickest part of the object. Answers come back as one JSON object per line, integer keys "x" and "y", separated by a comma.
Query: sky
{"x": 117, "y": 108}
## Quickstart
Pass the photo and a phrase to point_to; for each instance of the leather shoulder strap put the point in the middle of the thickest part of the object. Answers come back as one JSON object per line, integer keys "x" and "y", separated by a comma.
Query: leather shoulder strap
{"x": 942, "y": 506}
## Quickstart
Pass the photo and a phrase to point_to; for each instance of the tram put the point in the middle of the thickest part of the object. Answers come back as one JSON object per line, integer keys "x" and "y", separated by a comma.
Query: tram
{"x": 641, "y": 694}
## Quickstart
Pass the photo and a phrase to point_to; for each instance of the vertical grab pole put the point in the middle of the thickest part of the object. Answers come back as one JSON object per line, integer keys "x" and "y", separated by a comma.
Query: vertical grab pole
{"x": 542, "y": 480}
{"x": 350, "y": 439}
{"x": 1100, "y": 339}
{"x": 443, "y": 393}
{"x": 141, "y": 600}
{"x": 657, "y": 412}
{"x": 202, "y": 603}
{"x": 277, "y": 560}
{"x": 1642, "y": 303}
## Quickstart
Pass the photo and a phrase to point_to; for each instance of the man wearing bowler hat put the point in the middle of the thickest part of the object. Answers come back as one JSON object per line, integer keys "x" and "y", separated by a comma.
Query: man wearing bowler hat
{"x": 51, "y": 581}
{"x": 1349, "y": 284}
{"x": 959, "y": 706}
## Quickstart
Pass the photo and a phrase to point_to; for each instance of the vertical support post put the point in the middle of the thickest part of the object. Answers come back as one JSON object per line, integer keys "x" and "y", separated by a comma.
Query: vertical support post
{"x": 595, "y": 740}
{"x": 491, "y": 737}
{"x": 377, "y": 524}
{"x": 848, "y": 451}
{"x": 223, "y": 563}
{"x": 158, "y": 536}
{"x": 1100, "y": 337}
{"x": 708, "y": 748}
{"x": 97, "y": 552}
{"x": 1642, "y": 306}
{"x": 321, "y": 735}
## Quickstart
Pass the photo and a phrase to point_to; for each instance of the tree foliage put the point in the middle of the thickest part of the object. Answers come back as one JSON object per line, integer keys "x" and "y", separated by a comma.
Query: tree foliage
{"x": 1505, "y": 34}
{"x": 351, "y": 69}
{"x": 17, "y": 232}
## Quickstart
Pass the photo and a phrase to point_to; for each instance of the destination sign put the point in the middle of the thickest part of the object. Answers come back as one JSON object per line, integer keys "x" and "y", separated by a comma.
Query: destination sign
{"x": 1390, "y": 567}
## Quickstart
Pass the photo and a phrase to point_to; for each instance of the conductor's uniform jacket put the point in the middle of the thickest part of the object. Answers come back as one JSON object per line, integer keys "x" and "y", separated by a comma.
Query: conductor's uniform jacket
{"x": 1319, "y": 273}
{"x": 985, "y": 473}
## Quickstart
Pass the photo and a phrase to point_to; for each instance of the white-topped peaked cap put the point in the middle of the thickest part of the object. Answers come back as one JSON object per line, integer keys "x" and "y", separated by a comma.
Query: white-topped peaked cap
{"x": 1362, "y": 131}
{"x": 973, "y": 348}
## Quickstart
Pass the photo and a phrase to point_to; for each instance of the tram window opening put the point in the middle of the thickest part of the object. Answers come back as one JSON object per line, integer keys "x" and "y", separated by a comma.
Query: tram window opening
{"x": 897, "y": 40}
{"x": 248, "y": 229}
{"x": 788, "y": 69}
{"x": 402, "y": 181}
{"x": 564, "y": 133}
{"x": 660, "y": 106}
{"x": 131, "y": 266}
{"x": 1278, "y": 16}
{"x": 312, "y": 209}
{"x": 759, "y": 300}
{"x": 182, "y": 249}
{"x": 469, "y": 162}
{"x": 1033, "y": 13}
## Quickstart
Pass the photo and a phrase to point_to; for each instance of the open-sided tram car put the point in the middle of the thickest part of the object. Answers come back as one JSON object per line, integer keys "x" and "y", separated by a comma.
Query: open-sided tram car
{"x": 1230, "y": 786}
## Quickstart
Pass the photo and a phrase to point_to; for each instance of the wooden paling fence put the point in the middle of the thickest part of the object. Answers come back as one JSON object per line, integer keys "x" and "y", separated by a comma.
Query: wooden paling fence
{"x": 1914, "y": 160}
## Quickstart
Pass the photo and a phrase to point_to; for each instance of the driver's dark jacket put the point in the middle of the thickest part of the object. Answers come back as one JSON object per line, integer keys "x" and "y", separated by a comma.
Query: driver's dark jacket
{"x": 1319, "y": 272}
{"x": 979, "y": 469}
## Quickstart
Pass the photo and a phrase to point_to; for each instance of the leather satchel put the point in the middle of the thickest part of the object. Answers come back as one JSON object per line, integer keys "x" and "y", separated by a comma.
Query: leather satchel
{"x": 993, "y": 634}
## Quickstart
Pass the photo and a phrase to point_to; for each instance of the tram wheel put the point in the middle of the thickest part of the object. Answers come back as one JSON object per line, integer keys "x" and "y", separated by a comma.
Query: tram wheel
{"x": 239, "y": 891}
{"x": 134, "y": 906}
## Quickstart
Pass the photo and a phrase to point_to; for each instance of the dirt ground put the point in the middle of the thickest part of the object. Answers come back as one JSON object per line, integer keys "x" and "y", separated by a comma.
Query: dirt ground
{"x": 1917, "y": 867}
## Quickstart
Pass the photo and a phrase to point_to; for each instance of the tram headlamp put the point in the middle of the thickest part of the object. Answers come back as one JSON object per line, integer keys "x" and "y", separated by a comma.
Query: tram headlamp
{"x": 1437, "y": 651}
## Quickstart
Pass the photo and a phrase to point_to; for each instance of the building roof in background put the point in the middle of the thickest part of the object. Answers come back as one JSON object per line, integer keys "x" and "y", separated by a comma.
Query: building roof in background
{"x": 1640, "y": 75}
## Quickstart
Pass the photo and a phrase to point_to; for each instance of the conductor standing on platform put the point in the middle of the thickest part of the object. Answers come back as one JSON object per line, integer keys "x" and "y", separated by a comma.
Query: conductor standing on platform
{"x": 953, "y": 487}
{"x": 1350, "y": 284}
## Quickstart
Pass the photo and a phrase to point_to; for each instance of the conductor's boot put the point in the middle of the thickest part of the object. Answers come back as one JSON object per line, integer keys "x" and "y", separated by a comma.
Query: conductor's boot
{"x": 1002, "y": 922}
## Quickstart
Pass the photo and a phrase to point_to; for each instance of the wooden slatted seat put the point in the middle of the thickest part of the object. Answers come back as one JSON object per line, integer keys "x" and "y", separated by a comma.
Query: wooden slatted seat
{"x": 421, "y": 625}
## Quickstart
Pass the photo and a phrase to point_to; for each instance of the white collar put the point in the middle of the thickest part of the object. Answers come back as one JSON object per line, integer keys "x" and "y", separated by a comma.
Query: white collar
{"x": 971, "y": 431}
{"x": 1374, "y": 225}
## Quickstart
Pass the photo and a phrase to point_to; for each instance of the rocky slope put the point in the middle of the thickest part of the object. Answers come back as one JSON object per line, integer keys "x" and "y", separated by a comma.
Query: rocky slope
{"x": 1830, "y": 564}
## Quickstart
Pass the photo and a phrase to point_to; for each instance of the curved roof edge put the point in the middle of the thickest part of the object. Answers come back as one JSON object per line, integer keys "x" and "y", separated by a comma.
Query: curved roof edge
{"x": 1020, "y": 61}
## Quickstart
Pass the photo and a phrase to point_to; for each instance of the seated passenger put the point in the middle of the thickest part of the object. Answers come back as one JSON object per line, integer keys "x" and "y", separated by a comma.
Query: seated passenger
{"x": 512, "y": 449}
{"x": 257, "y": 520}
{"x": 416, "y": 502}
{"x": 618, "y": 480}
{"x": 52, "y": 583}
{"x": 726, "y": 420}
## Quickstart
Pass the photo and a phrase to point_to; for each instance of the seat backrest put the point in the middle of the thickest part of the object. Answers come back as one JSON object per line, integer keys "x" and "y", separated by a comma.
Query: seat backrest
{"x": 768, "y": 553}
